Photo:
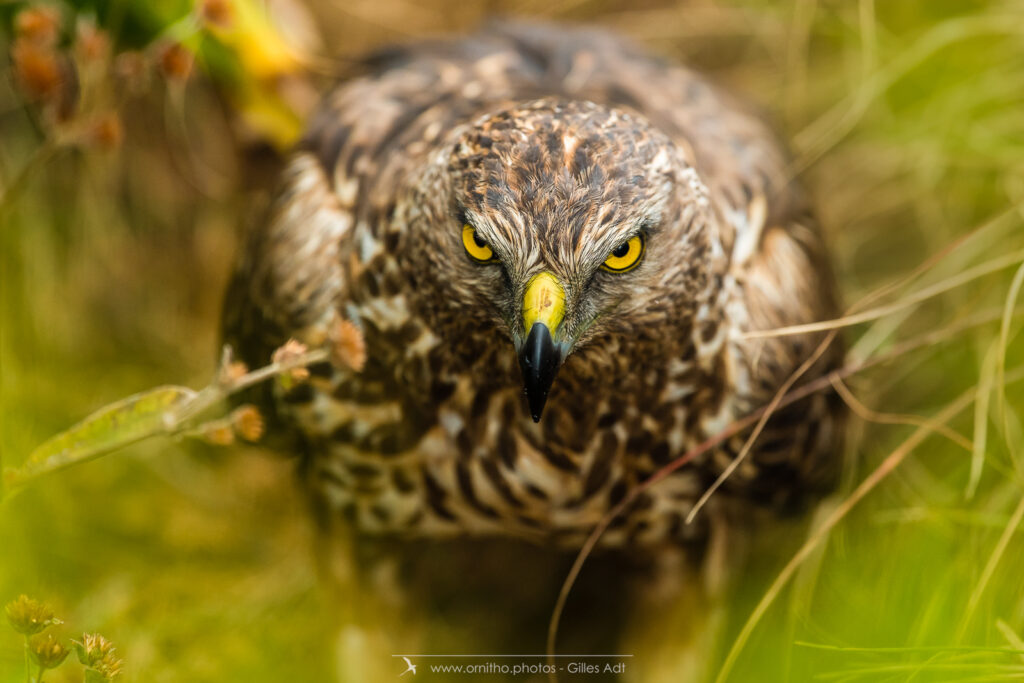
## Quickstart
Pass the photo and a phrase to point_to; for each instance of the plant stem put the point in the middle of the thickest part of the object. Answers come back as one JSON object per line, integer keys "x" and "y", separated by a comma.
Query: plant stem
{"x": 176, "y": 419}
{"x": 13, "y": 190}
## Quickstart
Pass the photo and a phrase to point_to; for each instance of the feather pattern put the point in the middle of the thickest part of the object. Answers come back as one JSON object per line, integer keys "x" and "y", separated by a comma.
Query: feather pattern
{"x": 557, "y": 145}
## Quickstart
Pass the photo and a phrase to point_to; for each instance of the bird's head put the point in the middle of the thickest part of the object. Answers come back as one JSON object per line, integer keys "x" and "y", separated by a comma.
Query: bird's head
{"x": 560, "y": 223}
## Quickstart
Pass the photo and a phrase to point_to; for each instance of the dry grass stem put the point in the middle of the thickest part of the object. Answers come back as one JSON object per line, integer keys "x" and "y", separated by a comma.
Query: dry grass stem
{"x": 759, "y": 427}
{"x": 869, "y": 415}
{"x": 820, "y": 384}
{"x": 889, "y": 464}
{"x": 979, "y": 271}
{"x": 990, "y": 567}
{"x": 168, "y": 411}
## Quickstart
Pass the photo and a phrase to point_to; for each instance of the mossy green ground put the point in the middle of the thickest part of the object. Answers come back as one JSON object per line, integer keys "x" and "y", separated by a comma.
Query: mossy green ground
{"x": 907, "y": 119}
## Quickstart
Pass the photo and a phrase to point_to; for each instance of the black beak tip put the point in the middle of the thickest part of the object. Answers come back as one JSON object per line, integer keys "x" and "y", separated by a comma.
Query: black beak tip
{"x": 539, "y": 360}
{"x": 536, "y": 405}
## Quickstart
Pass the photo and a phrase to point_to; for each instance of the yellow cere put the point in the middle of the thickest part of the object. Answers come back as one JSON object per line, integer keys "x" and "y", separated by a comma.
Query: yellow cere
{"x": 475, "y": 246}
{"x": 626, "y": 256}
{"x": 543, "y": 302}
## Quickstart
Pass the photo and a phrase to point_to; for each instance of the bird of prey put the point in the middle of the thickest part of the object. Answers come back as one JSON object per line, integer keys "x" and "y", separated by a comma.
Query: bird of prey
{"x": 555, "y": 246}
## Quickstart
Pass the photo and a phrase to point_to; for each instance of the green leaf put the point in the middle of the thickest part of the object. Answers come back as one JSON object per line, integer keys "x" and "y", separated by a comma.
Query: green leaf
{"x": 80, "y": 652}
{"x": 94, "y": 676}
{"x": 118, "y": 424}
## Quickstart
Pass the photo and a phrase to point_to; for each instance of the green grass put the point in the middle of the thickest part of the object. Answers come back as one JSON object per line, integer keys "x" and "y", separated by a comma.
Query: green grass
{"x": 907, "y": 120}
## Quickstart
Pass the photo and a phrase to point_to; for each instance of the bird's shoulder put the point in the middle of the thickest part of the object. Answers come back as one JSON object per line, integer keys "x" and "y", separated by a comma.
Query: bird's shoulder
{"x": 397, "y": 94}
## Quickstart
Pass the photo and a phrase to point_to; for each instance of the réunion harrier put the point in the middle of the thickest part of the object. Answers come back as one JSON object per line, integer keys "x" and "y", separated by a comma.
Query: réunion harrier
{"x": 554, "y": 245}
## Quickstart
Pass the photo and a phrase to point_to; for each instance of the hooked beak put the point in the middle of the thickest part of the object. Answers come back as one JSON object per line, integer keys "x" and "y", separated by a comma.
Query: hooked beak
{"x": 539, "y": 357}
{"x": 539, "y": 361}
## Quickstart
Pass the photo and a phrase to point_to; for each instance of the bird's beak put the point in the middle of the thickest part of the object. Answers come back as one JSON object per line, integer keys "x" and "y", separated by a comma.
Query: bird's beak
{"x": 539, "y": 357}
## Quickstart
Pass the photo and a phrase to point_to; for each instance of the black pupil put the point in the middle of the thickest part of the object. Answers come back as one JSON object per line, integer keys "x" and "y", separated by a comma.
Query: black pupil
{"x": 478, "y": 240}
{"x": 621, "y": 250}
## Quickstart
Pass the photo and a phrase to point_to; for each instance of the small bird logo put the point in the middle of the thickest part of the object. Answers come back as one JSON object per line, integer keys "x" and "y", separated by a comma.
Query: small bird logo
{"x": 412, "y": 667}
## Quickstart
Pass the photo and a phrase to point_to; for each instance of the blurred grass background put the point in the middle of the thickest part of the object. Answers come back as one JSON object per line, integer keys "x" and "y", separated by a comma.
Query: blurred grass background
{"x": 906, "y": 118}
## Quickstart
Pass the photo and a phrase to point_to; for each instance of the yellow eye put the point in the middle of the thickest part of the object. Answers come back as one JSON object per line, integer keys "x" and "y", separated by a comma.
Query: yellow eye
{"x": 475, "y": 246}
{"x": 626, "y": 256}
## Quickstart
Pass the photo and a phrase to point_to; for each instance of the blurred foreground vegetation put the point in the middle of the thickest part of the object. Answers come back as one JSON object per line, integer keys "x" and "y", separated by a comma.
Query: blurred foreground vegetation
{"x": 125, "y": 188}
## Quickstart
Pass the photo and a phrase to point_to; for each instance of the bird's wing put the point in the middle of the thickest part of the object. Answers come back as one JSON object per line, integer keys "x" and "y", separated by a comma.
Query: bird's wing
{"x": 289, "y": 274}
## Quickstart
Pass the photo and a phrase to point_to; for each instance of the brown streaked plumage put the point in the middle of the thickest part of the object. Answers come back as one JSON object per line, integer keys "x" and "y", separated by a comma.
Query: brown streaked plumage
{"x": 556, "y": 146}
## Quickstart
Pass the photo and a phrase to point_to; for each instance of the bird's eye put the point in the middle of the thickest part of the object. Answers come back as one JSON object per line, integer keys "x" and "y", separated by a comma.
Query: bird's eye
{"x": 475, "y": 246}
{"x": 626, "y": 256}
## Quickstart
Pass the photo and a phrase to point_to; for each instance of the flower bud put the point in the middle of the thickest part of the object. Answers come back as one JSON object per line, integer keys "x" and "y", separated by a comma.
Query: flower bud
{"x": 39, "y": 25}
{"x": 248, "y": 422}
{"x": 175, "y": 61}
{"x": 28, "y": 616}
{"x": 348, "y": 346}
{"x": 47, "y": 651}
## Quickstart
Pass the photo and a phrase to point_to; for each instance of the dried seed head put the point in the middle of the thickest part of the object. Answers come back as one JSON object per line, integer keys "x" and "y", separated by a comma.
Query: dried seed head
{"x": 106, "y": 132}
{"x": 348, "y": 346}
{"x": 46, "y": 77}
{"x": 288, "y": 352}
{"x": 91, "y": 43}
{"x": 29, "y": 616}
{"x": 132, "y": 70}
{"x": 218, "y": 13}
{"x": 40, "y": 25}
{"x": 217, "y": 433}
{"x": 248, "y": 422}
{"x": 37, "y": 70}
{"x": 232, "y": 372}
{"x": 175, "y": 61}
{"x": 47, "y": 651}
